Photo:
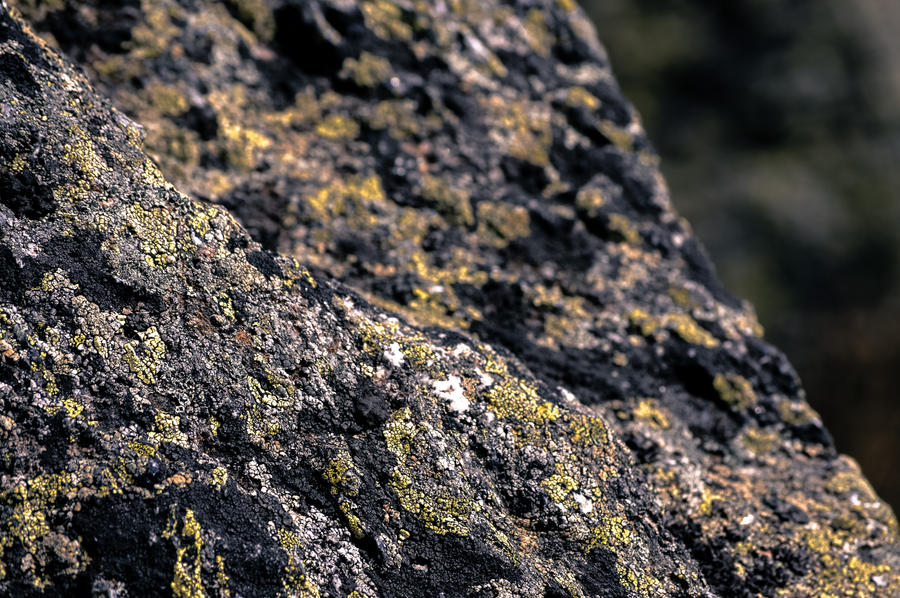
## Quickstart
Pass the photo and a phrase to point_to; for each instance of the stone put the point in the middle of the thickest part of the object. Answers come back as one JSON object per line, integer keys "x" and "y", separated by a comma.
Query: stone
{"x": 338, "y": 298}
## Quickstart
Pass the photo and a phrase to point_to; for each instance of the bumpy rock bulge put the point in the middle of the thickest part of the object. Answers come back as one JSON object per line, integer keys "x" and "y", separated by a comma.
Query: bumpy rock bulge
{"x": 368, "y": 298}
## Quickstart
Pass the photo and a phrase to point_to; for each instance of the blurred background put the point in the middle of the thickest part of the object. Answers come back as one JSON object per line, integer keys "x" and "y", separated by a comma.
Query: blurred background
{"x": 779, "y": 128}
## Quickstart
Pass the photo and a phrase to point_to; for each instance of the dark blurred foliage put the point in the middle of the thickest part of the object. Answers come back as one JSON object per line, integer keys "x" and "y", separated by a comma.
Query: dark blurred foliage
{"x": 779, "y": 128}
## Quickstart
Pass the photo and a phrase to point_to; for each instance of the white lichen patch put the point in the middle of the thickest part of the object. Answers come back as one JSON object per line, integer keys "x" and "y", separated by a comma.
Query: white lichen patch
{"x": 394, "y": 355}
{"x": 451, "y": 390}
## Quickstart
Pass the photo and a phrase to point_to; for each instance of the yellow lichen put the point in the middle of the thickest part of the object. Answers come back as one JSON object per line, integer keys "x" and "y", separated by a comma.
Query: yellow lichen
{"x": 167, "y": 429}
{"x": 590, "y": 201}
{"x": 735, "y": 390}
{"x": 385, "y": 18}
{"x": 353, "y": 521}
{"x": 219, "y": 476}
{"x": 338, "y": 127}
{"x": 649, "y": 412}
{"x": 242, "y": 144}
{"x": 588, "y": 429}
{"x": 688, "y": 329}
{"x": 538, "y": 35}
{"x": 580, "y": 97}
{"x": 167, "y": 99}
{"x": 340, "y": 474}
{"x": 500, "y": 222}
{"x": 612, "y": 532}
{"x": 625, "y": 228}
{"x": 157, "y": 231}
{"x": 452, "y": 204}
{"x": 145, "y": 362}
{"x": 80, "y": 152}
{"x": 187, "y": 581}
{"x": 638, "y": 581}
{"x": 560, "y": 486}
{"x": 518, "y": 399}
{"x": 442, "y": 514}
{"x": 368, "y": 70}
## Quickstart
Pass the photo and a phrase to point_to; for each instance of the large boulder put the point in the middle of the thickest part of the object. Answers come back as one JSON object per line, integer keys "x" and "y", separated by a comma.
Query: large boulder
{"x": 379, "y": 299}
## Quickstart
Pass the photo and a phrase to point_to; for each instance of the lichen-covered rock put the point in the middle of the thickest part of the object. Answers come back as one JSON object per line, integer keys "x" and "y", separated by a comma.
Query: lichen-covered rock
{"x": 490, "y": 361}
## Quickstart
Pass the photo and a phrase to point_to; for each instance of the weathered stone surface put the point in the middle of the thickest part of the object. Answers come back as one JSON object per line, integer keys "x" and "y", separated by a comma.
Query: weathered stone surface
{"x": 511, "y": 371}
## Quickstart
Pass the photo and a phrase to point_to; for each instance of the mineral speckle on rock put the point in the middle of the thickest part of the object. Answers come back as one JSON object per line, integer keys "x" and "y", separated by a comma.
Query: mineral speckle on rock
{"x": 367, "y": 298}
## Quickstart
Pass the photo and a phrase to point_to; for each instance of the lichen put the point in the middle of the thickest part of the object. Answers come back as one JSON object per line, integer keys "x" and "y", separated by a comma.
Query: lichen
{"x": 518, "y": 399}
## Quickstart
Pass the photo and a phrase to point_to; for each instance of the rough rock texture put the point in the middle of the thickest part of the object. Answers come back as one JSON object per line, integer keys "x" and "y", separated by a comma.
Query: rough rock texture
{"x": 490, "y": 361}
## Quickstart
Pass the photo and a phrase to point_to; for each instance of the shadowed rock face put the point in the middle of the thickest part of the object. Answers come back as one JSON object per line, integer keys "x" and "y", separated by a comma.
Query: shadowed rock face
{"x": 488, "y": 359}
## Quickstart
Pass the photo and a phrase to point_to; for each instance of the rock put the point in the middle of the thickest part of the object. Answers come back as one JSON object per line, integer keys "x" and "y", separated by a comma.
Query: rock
{"x": 490, "y": 360}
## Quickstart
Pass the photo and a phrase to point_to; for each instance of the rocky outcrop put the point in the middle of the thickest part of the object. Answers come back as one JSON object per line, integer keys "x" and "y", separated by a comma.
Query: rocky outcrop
{"x": 487, "y": 359}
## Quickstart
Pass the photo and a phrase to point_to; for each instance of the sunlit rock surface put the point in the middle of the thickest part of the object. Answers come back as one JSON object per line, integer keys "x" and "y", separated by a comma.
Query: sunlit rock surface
{"x": 487, "y": 359}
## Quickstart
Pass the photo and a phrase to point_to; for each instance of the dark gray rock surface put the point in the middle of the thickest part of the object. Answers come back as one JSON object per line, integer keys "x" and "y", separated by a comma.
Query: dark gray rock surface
{"x": 490, "y": 360}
